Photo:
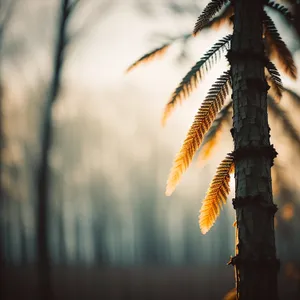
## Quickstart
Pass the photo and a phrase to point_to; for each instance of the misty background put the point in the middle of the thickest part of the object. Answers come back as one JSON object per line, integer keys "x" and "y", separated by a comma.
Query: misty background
{"x": 108, "y": 218}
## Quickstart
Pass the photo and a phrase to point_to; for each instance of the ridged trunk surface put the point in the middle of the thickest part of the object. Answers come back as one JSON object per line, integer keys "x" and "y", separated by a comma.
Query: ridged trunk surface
{"x": 256, "y": 263}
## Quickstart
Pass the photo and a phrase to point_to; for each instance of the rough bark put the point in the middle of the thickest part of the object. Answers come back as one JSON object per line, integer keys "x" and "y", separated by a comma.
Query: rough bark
{"x": 256, "y": 262}
{"x": 44, "y": 169}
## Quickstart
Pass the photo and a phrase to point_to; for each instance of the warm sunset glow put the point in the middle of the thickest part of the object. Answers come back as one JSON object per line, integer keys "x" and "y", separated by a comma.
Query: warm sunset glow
{"x": 287, "y": 211}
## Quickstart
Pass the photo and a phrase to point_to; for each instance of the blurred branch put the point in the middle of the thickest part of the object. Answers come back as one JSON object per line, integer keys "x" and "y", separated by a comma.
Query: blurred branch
{"x": 71, "y": 8}
{"x": 93, "y": 19}
{"x": 5, "y": 16}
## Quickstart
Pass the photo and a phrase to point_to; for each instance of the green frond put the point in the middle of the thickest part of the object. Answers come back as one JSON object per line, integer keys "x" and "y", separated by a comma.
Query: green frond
{"x": 212, "y": 137}
{"x": 278, "y": 48}
{"x": 217, "y": 194}
{"x": 202, "y": 122}
{"x": 209, "y": 11}
{"x": 280, "y": 114}
{"x": 192, "y": 78}
{"x": 274, "y": 81}
{"x": 280, "y": 9}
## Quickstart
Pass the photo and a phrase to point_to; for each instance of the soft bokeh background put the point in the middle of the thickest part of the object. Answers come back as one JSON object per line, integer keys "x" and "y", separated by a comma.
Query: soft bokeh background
{"x": 112, "y": 232}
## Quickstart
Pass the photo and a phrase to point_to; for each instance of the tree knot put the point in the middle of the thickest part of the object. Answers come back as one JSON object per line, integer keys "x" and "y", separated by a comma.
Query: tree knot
{"x": 240, "y": 202}
{"x": 254, "y": 151}
{"x": 245, "y": 55}
{"x": 253, "y": 262}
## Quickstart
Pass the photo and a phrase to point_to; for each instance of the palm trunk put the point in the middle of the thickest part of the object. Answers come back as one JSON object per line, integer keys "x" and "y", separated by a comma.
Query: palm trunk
{"x": 44, "y": 170}
{"x": 256, "y": 262}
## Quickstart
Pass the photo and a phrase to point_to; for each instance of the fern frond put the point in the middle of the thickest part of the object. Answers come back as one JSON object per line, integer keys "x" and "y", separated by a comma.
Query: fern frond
{"x": 213, "y": 135}
{"x": 149, "y": 56}
{"x": 192, "y": 78}
{"x": 294, "y": 96}
{"x": 209, "y": 11}
{"x": 160, "y": 51}
{"x": 231, "y": 295}
{"x": 202, "y": 122}
{"x": 221, "y": 19}
{"x": 274, "y": 81}
{"x": 281, "y": 9}
{"x": 278, "y": 48}
{"x": 280, "y": 114}
{"x": 217, "y": 194}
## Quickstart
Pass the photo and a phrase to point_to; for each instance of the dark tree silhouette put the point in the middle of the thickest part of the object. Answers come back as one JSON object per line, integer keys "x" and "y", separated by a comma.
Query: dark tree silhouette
{"x": 66, "y": 8}
{"x": 63, "y": 38}
{"x": 254, "y": 42}
{"x": 6, "y": 9}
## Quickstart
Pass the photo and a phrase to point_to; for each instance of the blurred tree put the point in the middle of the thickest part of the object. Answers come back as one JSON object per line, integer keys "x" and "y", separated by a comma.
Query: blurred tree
{"x": 66, "y": 9}
{"x": 6, "y": 9}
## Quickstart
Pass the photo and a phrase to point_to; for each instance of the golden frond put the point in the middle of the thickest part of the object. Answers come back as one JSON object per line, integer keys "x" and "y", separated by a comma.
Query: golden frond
{"x": 288, "y": 126}
{"x": 209, "y": 11}
{"x": 278, "y": 48}
{"x": 208, "y": 147}
{"x": 192, "y": 78}
{"x": 217, "y": 194}
{"x": 213, "y": 135}
{"x": 274, "y": 81}
{"x": 149, "y": 56}
{"x": 202, "y": 122}
{"x": 231, "y": 295}
{"x": 280, "y": 9}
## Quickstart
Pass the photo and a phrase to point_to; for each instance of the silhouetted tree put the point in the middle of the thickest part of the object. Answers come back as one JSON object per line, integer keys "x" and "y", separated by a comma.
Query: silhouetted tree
{"x": 6, "y": 9}
{"x": 66, "y": 9}
{"x": 254, "y": 41}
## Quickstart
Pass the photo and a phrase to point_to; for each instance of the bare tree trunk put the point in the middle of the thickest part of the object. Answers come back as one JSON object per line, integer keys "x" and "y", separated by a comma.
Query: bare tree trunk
{"x": 5, "y": 14}
{"x": 44, "y": 170}
{"x": 256, "y": 262}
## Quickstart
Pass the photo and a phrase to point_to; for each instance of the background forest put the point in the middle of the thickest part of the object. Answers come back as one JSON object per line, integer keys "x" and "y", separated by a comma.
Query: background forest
{"x": 112, "y": 232}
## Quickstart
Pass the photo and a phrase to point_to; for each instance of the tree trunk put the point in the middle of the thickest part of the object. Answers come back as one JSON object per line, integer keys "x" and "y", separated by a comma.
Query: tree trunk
{"x": 44, "y": 170}
{"x": 256, "y": 262}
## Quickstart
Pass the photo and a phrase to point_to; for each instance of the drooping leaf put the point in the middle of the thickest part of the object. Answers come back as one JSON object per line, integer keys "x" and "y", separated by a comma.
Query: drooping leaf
{"x": 274, "y": 81}
{"x": 217, "y": 194}
{"x": 212, "y": 137}
{"x": 280, "y": 9}
{"x": 278, "y": 48}
{"x": 202, "y": 122}
{"x": 149, "y": 56}
{"x": 192, "y": 78}
{"x": 288, "y": 126}
{"x": 221, "y": 19}
{"x": 213, "y": 7}
{"x": 214, "y": 23}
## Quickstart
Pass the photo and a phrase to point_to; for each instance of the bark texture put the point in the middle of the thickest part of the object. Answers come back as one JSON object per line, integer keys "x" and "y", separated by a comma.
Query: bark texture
{"x": 256, "y": 262}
